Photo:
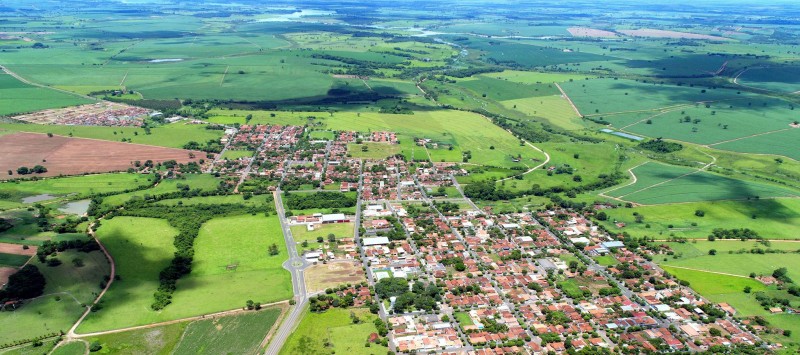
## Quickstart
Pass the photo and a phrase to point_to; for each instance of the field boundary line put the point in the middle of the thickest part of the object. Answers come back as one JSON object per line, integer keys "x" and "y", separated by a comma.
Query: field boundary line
{"x": 31, "y": 83}
{"x": 193, "y": 318}
{"x": 750, "y": 136}
{"x": 223, "y": 75}
{"x": 122, "y": 82}
{"x": 273, "y": 329}
{"x": 707, "y": 271}
{"x": 630, "y": 171}
{"x": 564, "y": 94}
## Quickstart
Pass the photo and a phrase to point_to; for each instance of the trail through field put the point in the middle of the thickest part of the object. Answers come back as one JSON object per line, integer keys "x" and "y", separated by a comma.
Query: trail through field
{"x": 367, "y": 85}
{"x": 223, "y": 75}
{"x": 91, "y": 232}
{"x": 122, "y": 82}
{"x": 26, "y": 81}
{"x": 564, "y": 95}
{"x": 546, "y": 160}
{"x": 633, "y": 181}
{"x": 713, "y": 160}
{"x": 710, "y": 272}
{"x": 663, "y": 112}
{"x": 750, "y": 136}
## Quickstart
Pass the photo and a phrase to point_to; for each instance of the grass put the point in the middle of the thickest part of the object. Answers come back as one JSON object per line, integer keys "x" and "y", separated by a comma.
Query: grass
{"x": 14, "y": 260}
{"x": 236, "y": 154}
{"x": 242, "y": 241}
{"x": 571, "y": 289}
{"x": 715, "y": 286}
{"x": 532, "y": 77}
{"x": 780, "y": 79}
{"x": 141, "y": 247}
{"x": 333, "y": 326}
{"x": 774, "y": 218}
{"x": 340, "y": 230}
{"x": 241, "y": 333}
{"x": 44, "y": 315}
{"x": 174, "y": 135}
{"x": 18, "y": 97}
{"x": 77, "y": 186}
{"x": 606, "y": 260}
{"x": 160, "y": 340}
{"x": 71, "y": 348}
{"x": 256, "y": 200}
{"x": 554, "y": 109}
{"x": 29, "y": 349}
{"x": 742, "y": 264}
{"x": 374, "y": 150}
{"x": 463, "y": 318}
{"x": 199, "y": 181}
{"x": 678, "y": 184}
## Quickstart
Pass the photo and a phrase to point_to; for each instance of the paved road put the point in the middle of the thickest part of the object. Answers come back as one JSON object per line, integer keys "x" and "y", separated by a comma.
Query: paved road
{"x": 296, "y": 265}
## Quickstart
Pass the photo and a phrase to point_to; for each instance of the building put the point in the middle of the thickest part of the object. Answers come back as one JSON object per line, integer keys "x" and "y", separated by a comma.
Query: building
{"x": 368, "y": 242}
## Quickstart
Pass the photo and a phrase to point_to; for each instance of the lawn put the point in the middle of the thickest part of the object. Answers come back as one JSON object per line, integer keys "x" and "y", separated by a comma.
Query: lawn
{"x": 17, "y": 97}
{"x": 774, "y": 218}
{"x": 606, "y": 260}
{"x": 241, "y": 333}
{"x": 571, "y": 289}
{"x": 463, "y": 318}
{"x": 340, "y": 230}
{"x": 141, "y": 248}
{"x": 236, "y": 154}
{"x": 160, "y": 340}
{"x": 333, "y": 326}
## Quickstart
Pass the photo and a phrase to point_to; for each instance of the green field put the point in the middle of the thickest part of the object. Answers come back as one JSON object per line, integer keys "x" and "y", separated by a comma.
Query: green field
{"x": 141, "y": 248}
{"x": 160, "y": 340}
{"x": 340, "y": 230}
{"x": 71, "y": 348}
{"x": 463, "y": 318}
{"x": 13, "y": 260}
{"x": 775, "y": 218}
{"x": 256, "y": 200}
{"x": 779, "y": 79}
{"x": 333, "y": 326}
{"x": 236, "y": 154}
{"x": 242, "y": 333}
{"x": 658, "y": 183}
{"x": 76, "y": 186}
{"x": 374, "y": 150}
{"x": 204, "y": 182}
{"x": 17, "y": 97}
{"x": 67, "y": 288}
{"x": 231, "y": 265}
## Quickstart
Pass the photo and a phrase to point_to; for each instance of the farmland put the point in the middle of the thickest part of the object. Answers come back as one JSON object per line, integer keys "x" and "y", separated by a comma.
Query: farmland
{"x": 18, "y": 97}
{"x": 72, "y": 156}
{"x": 243, "y": 332}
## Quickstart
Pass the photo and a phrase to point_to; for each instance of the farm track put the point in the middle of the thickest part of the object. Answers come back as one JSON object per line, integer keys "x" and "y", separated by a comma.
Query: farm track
{"x": 633, "y": 181}
{"x": 26, "y": 81}
{"x": 221, "y": 81}
{"x": 676, "y": 178}
{"x": 564, "y": 94}
{"x": 710, "y": 272}
{"x": 750, "y": 136}
{"x": 71, "y": 333}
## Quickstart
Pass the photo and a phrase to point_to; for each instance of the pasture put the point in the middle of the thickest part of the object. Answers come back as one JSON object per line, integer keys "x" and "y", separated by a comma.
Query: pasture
{"x": 75, "y": 186}
{"x": 203, "y": 182}
{"x": 658, "y": 183}
{"x": 141, "y": 248}
{"x": 774, "y": 218}
{"x": 334, "y": 326}
{"x": 777, "y": 79}
{"x": 17, "y": 97}
{"x": 160, "y": 340}
{"x": 232, "y": 265}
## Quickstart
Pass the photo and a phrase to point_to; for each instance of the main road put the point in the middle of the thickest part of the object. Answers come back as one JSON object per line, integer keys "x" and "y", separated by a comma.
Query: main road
{"x": 295, "y": 264}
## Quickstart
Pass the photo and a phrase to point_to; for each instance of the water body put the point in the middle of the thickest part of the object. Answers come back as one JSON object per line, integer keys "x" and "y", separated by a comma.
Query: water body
{"x": 38, "y": 198}
{"x": 166, "y": 60}
{"x": 76, "y": 207}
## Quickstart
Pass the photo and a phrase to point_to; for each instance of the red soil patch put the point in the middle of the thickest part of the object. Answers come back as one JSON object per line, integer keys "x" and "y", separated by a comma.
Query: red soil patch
{"x": 5, "y": 272}
{"x": 72, "y": 156}
{"x": 8, "y": 248}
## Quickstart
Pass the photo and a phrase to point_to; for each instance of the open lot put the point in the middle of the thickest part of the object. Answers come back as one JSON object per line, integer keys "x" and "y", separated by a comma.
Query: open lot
{"x": 322, "y": 276}
{"x": 72, "y": 156}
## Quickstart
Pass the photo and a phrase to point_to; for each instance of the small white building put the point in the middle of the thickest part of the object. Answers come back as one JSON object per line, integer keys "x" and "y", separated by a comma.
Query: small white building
{"x": 374, "y": 241}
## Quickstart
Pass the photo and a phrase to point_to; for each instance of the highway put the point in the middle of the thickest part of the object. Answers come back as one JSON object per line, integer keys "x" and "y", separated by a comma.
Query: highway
{"x": 296, "y": 265}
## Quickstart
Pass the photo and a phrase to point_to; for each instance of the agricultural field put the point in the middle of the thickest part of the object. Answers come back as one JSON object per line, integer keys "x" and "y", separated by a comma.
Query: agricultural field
{"x": 771, "y": 218}
{"x": 202, "y": 182}
{"x": 334, "y": 326}
{"x": 73, "y": 156}
{"x": 658, "y": 183}
{"x": 19, "y": 193}
{"x": 778, "y": 79}
{"x": 18, "y": 97}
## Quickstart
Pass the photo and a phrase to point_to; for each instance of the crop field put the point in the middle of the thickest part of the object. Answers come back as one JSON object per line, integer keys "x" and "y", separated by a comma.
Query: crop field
{"x": 231, "y": 265}
{"x": 782, "y": 142}
{"x": 18, "y": 97}
{"x": 240, "y": 333}
{"x": 335, "y": 326}
{"x": 607, "y": 96}
{"x": 774, "y": 218}
{"x": 532, "y": 77}
{"x": 174, "y": 135}
{"x": 141, "y": 247}
{"x": 554, "y": 109}
{"x": 160, "y": 340}
{"x": 778, "y": 79}
{"x": 72, "y": 156}
{"x": 657, "y": 183}
{"x": 501, "y": 90}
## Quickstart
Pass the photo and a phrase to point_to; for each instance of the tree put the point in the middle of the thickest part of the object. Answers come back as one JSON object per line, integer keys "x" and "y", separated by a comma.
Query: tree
{"x": 28, "y": 282}
{"x": 273, "y": 249}
{"x": 748, "y": 289}
{"x": 699, "y": 213}
{"x": 714, "y": 332}
{"x": 23, "y": 170}
{"x": 95, "y": 347}
{"x": 38, "y": 169}
{"x": 712, "y": 252}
